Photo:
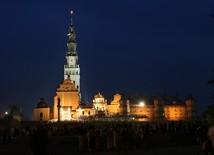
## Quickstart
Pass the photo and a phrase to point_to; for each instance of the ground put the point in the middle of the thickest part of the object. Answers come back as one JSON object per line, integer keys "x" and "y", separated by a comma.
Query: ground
{"x": 69, "y": 145}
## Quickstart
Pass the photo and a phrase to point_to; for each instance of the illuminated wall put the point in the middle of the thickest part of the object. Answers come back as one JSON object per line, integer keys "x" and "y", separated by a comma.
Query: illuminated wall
{"x": 190, "y": 109}
{"x": 69, "y": 97}
{"x": 114, "y": 107}
{"x": 117, "y": 98}
{"x": 85, "y": 112}
{"x": 41, "y": 114}
{"x": 147, "y": 110}
{"x": 65, "y": 113}
{"x": 175, "y": 112}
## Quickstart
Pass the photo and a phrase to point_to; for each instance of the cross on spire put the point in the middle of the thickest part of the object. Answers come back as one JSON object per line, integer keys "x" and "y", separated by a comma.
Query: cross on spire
{"x": 72, "y": 12}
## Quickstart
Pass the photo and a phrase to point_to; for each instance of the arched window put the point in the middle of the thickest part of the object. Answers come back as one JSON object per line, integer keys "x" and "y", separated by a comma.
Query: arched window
{"x": 40, "y": 116}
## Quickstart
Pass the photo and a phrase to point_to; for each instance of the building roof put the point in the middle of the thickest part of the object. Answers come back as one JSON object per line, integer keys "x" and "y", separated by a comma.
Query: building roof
{"x": 99, "y": 95}
{"x": 67, "y": 85}
{"x": 42, "y": 103}
{"x": 84, "y": 106}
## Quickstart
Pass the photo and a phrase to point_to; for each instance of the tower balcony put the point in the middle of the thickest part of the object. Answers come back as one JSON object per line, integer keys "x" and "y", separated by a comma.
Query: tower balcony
{"x": 71, "y": 66}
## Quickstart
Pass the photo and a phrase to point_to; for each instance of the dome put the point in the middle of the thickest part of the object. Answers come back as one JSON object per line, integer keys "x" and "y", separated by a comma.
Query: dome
{"x": 98, "y": 96}
{"x": 117, "y": 95}
{"x": 42, "y": 103}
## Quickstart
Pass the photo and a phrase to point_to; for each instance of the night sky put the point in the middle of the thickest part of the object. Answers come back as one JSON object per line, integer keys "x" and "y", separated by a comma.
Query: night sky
{"x": 131, "y": 46}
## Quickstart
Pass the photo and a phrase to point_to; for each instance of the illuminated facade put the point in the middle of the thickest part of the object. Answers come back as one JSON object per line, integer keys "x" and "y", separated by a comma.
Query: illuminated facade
{"x": 67, "y": 107}
{"x": 84, "y": 111}
{"x": 70, "y": 109}
{"x": 69, "y": 97}
{"x": 180, "y": 112}
{"x": 169, "y": 111}
{"x": 114, "y": 107}
{"x": 42, "y": 111}
{"x": 99, "y": 104}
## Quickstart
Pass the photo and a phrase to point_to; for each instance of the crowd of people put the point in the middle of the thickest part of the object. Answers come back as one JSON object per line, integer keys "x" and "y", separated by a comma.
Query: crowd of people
{"x": 110, "y": 135}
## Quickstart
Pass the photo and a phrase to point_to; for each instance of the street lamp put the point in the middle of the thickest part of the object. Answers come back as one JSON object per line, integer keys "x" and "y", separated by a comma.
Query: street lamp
{"x": 142, "y": 104}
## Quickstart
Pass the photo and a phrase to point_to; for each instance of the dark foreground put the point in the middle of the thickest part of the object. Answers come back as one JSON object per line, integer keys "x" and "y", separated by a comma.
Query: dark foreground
{"x": 69, "y": 145}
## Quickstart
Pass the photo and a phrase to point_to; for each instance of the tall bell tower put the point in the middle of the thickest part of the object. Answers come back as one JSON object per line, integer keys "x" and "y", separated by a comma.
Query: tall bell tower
{"x": 71, "y": 68}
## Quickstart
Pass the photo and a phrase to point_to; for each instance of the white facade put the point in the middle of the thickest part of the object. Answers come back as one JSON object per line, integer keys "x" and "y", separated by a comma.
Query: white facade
{"x": 99, "y": 102}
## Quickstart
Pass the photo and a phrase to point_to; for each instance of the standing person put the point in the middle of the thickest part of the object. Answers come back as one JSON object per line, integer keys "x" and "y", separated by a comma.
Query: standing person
{"x": 109, "y": 138}
{"x": 5, "y": 135}
{"x": 139, "y": 137}
{"x": 208, "y": 145}
{"x": 91, "y": 138}
{"x": 39, "y": 141}
{"x": 115, "y": 138}
{"x": 98, "y": 138}
{"x": 81, "y": 133}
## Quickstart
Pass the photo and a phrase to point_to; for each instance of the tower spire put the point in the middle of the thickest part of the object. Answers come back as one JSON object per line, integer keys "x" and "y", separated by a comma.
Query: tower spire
{"x": 71, "y": 44}
{"x": 71, "y": 68}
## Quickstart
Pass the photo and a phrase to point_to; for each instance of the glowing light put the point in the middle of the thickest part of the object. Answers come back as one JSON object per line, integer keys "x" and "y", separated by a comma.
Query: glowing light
{"x": 72, "y": 12}
{"x": 6, "y": 113}
{"x": 142, "y": 104}
{"x": 66, "y": 114}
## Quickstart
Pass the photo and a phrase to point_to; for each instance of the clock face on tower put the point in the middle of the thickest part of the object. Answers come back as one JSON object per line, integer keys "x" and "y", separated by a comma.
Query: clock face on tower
{"x": 72, "y": 60}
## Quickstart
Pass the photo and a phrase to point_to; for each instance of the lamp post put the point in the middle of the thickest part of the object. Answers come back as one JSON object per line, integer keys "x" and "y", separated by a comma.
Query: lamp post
{"x": 58, "y": 106}
{"x": 142, "y": 104}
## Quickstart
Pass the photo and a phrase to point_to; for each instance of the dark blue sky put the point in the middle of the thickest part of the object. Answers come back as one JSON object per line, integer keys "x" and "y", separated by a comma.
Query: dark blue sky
{"x": 131, "y": 46}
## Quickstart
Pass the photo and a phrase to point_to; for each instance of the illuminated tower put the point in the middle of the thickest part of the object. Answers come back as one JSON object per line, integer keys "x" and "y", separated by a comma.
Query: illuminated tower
{"x": 71, "y": 68}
